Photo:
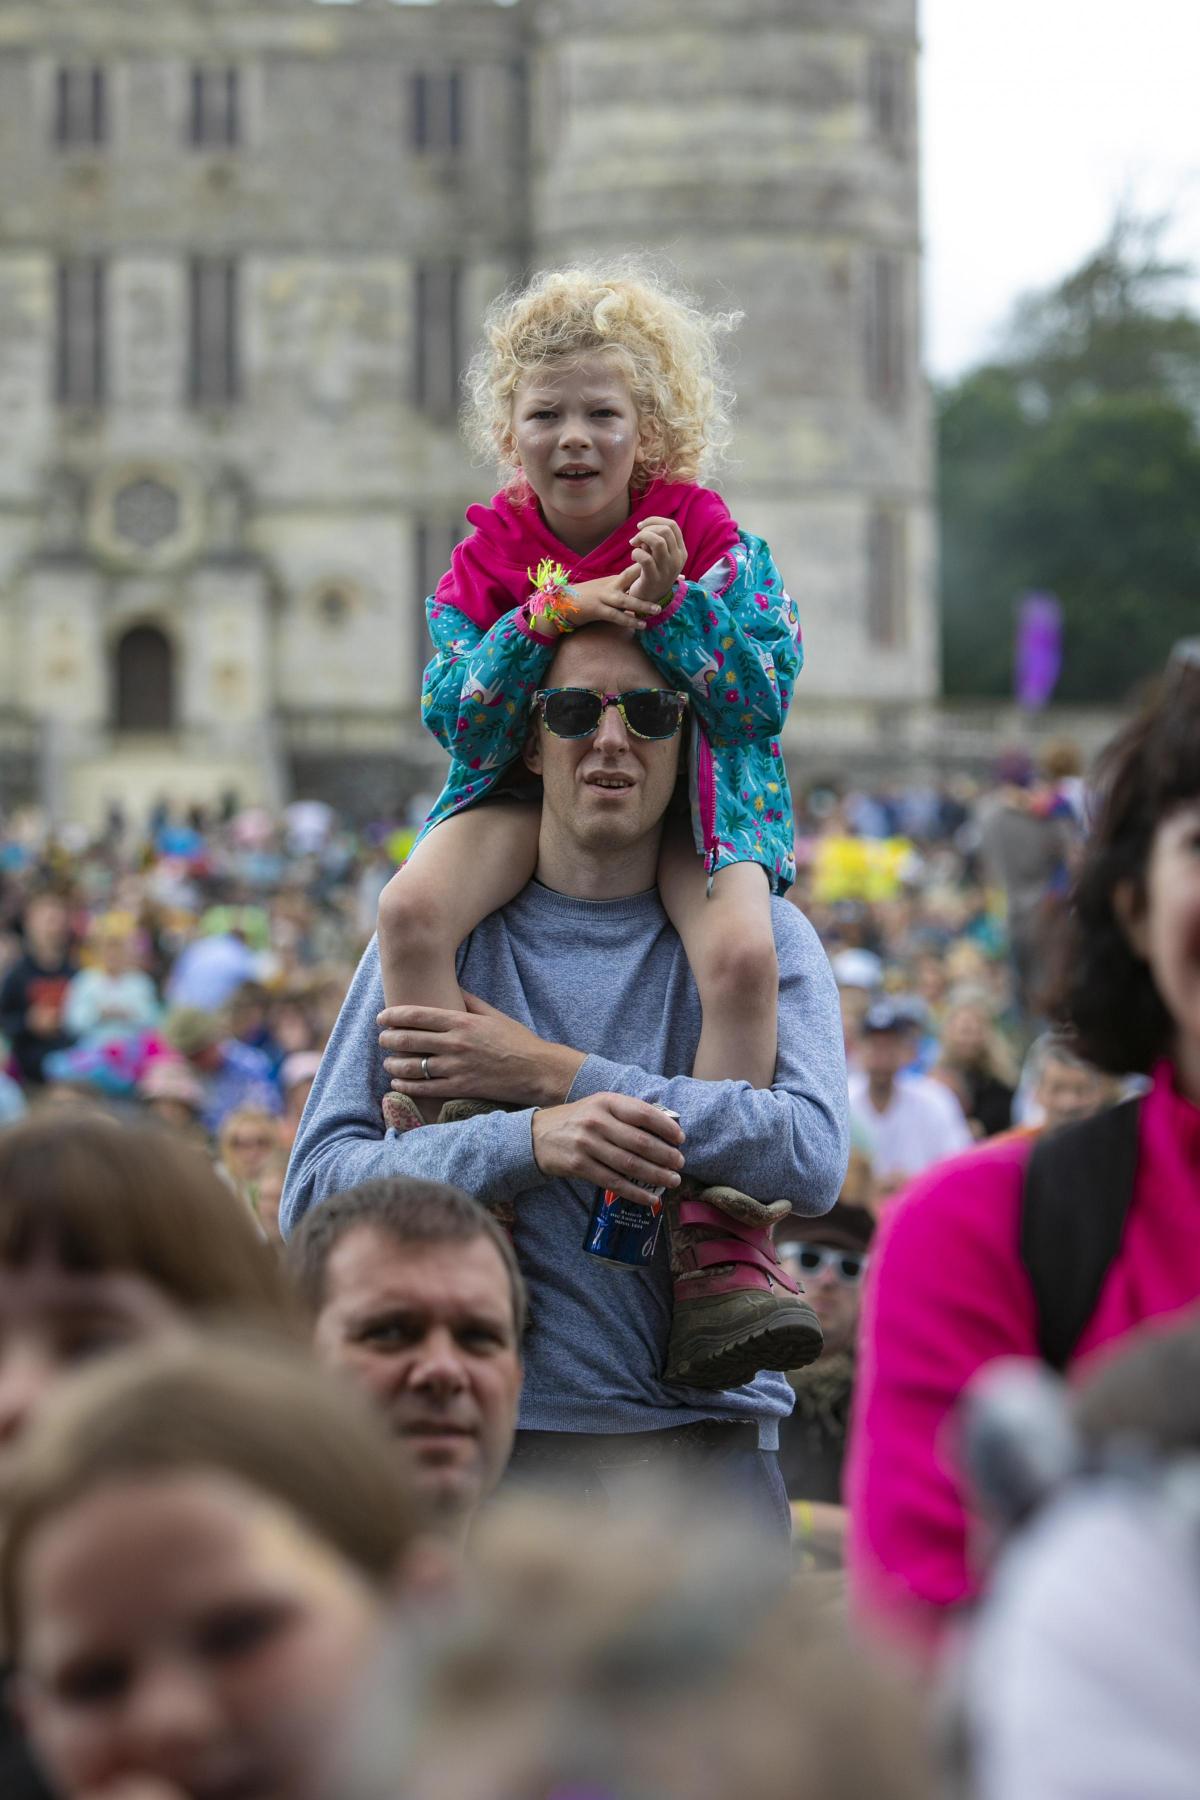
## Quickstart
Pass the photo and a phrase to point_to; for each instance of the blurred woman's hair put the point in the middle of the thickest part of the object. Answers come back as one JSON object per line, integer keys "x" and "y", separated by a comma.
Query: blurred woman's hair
{"x": 1105, "y": 995}
{"x": 95, "y": 1195}
{"x": 645, "y": 1648}
{"x": 262, "y": 1412}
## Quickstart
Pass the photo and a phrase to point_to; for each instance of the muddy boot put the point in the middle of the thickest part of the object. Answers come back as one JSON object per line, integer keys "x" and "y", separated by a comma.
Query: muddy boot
{"x": 400, "y": 1113}
{"x": 737, "y": 1310}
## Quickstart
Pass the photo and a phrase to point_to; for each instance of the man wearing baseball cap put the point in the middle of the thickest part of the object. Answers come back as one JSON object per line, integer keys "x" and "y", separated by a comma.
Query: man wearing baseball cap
{"x": 913, "y": 1122}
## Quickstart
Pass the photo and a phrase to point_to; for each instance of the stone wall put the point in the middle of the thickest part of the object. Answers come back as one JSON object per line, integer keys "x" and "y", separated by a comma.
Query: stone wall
{"x": 289, "y": 574}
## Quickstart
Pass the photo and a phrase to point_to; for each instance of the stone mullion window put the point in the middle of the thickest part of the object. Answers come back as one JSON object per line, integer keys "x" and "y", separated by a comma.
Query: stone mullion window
{"x": 888, "y": 98}
{"x": 437, "y": 111}
{"x": 214, "y": 364}
{"x": 215, "y": 115}
{"x": 885, "y": 329}
{"x": 437, "y": 338}
{"x": 80, "y": 371}
{"x": 80, "y": 111}
{"x": 887, "y": 606}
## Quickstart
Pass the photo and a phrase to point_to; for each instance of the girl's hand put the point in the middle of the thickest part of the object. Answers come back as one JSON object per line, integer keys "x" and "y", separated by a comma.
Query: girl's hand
{"x": 608, "y": 602}
{"x": 660, "y": 553}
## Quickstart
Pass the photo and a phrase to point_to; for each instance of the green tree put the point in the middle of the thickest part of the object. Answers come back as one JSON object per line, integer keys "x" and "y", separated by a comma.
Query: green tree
{"x": 1072, "y": 463}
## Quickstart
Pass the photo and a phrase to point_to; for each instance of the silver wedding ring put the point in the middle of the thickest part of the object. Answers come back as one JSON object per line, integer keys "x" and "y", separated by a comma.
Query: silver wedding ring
{"x": 425, "y": 1068}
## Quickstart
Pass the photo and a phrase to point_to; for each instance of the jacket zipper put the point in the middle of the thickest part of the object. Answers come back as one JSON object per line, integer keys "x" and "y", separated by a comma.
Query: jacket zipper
{"x": 706, "y": 794}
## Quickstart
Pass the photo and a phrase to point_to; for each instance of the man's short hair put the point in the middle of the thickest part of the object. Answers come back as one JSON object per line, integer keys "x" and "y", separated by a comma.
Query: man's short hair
{"x": 414, "y": 1213}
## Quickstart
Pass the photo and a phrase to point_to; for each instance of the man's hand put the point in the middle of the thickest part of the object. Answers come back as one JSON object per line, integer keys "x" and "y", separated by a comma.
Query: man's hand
{"x": 481, "y": 1054}
{"x": 612, "y": 1140}
{"x": 660, "y": 553}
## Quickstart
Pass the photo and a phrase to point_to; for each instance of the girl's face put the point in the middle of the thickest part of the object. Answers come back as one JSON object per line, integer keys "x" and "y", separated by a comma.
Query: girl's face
{"x": 186, "y": 1629}
{"x": 575, "y": 431}
{"x": 965, "y": 1034}
{"x": 247, "y": 1146}
{"x": 1166, "y": 931}
{"x": 53, "y": 1318}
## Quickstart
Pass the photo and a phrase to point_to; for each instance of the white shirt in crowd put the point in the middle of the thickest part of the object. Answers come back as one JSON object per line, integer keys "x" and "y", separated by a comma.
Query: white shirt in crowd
{"x": 1081, "y": 1671}
{"x": 922, "y": 1125}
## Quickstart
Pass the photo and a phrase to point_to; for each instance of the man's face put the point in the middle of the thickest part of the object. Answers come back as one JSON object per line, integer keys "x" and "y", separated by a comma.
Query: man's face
{"x": 427, "y": 1330}
{"x": 882, "y": 1054}
{"x": 608, "y": 791}
{"x": 46, "y": 928}
{"x": 833, "y": 1297}
{"x": 1065, "y": 1092}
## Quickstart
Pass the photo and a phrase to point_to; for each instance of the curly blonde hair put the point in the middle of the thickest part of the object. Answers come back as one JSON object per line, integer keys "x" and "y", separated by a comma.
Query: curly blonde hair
{"x": 664, "y": 343}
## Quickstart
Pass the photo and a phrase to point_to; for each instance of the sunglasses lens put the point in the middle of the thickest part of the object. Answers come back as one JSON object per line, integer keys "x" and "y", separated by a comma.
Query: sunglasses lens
{"x": 571, "y": 712}
{"x": 809, "y": 1259}
{"x": 652, "y": 713}
{"x": 852, "y": 1268}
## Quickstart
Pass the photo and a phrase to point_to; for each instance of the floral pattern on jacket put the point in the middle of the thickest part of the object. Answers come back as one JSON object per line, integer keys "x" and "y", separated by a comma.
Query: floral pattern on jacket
{"x": 731, "y": 641}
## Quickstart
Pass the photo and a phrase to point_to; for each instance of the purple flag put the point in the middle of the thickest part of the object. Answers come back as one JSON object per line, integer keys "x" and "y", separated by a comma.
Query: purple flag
{"x": 1037, "y": 662}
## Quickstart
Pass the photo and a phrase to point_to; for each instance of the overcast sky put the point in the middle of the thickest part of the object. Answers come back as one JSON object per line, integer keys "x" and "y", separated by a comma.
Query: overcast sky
{"x": 1038, "y": 116}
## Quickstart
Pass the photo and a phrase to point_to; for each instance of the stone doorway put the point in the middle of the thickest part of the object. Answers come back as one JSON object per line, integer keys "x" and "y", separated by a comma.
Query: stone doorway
{"x": 145, "y": 681}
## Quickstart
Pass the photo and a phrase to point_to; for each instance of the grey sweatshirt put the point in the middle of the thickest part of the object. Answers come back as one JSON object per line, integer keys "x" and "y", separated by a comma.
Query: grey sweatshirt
{"x": 609, "y": 978}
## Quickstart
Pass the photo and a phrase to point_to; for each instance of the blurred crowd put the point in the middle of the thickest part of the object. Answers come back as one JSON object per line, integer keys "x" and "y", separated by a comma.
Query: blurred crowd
{"x": 192, "y": 966}
{"x": 221, "y": 1578}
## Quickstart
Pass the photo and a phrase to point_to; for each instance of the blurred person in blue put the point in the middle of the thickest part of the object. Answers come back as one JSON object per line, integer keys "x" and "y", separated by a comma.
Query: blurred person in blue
{"x": 227, "y": 953}
{"x": 111, "y": 997}
{"x": 230, "y": 1074}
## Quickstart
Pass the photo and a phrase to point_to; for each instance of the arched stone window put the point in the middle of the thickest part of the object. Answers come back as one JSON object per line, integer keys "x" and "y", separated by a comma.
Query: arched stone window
{"x": 145, "y": 680}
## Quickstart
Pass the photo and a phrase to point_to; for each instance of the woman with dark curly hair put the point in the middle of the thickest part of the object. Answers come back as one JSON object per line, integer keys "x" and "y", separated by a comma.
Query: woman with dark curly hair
{"x": 948, "y": 1289}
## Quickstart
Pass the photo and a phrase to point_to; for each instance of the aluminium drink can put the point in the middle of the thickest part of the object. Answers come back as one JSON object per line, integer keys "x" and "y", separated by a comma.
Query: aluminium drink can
{"x": 625, "y": 1233}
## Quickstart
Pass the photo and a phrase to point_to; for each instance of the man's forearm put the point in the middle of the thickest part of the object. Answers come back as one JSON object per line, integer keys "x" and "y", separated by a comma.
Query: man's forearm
{"x": 765, "y": 1141}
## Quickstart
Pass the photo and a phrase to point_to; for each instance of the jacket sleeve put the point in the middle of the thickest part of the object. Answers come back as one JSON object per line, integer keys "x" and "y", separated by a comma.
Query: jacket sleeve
{"x": 945, "y": 1295}
{"x": 475, "y": 693}
{"x": 789, "y": 1141}
{"x": 733, "y": 645}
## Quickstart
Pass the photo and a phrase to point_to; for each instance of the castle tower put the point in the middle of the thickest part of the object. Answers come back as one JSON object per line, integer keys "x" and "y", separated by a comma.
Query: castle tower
{"x": 770, "y": 150}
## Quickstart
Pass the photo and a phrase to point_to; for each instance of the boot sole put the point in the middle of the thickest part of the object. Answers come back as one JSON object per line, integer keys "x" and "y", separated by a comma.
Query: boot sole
{"x": 787, "y": 1338}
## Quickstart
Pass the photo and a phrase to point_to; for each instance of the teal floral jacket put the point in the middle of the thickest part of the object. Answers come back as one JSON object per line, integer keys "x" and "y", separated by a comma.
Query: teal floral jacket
{"x": 731, "y": 641}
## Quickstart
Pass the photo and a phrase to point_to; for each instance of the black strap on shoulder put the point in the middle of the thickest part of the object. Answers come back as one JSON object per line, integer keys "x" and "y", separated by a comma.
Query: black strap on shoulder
{"x": 1078, "y": 1190}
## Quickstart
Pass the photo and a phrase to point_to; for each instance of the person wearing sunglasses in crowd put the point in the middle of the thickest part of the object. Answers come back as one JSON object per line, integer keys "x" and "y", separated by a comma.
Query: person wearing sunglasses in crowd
{"x": 585, "y": 1029}
{"x": 829, "y": 1256}
{"x": 596, "y": 391}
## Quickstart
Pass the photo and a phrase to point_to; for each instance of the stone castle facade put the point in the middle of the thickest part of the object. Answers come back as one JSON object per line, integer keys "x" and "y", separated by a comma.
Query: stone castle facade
{"x": 244, "y": 248}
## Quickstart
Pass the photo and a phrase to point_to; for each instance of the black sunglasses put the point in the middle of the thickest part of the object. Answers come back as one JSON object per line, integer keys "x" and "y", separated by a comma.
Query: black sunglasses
{"x": 571, "y": 712}
{"x": 812, "y": 1258}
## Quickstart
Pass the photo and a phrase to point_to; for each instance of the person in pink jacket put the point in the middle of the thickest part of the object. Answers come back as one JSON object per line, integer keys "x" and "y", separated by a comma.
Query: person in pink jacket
{"x": 947, "y": 1291}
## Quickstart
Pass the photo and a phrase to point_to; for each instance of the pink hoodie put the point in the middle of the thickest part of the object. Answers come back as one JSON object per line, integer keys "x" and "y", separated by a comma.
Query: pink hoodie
{"x": 946, "y": 1294}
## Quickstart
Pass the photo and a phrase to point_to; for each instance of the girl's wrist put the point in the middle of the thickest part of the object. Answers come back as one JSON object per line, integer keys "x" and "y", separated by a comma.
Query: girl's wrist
{"x": 551, "y": 608}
